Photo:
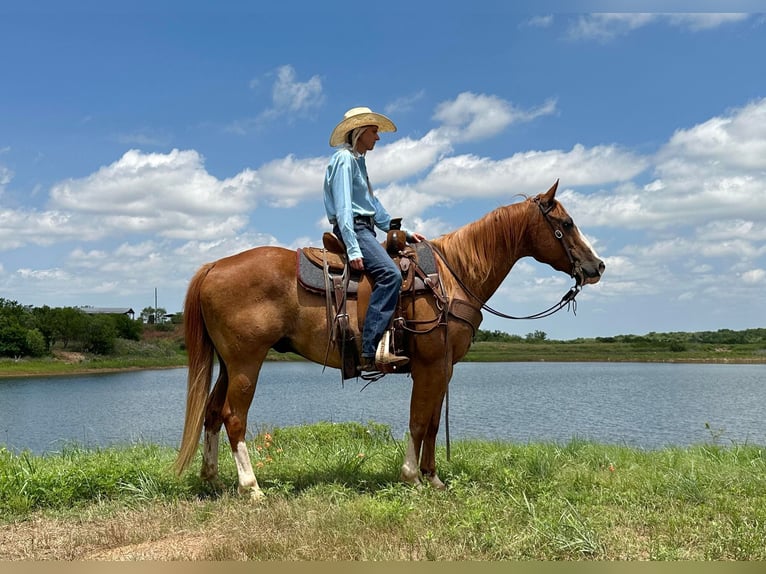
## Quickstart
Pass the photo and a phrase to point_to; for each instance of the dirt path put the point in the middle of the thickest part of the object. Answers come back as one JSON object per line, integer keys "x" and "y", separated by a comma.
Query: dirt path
{"x": 131, "y": 535}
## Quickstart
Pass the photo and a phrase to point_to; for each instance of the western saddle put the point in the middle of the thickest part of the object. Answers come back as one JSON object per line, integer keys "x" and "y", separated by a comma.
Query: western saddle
{"x": 326, "y": 270}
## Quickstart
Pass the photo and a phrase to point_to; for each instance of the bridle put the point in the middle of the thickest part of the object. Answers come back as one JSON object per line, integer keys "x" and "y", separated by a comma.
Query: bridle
{"x": 545, "y": 210}
{"x": 568, "y": 300}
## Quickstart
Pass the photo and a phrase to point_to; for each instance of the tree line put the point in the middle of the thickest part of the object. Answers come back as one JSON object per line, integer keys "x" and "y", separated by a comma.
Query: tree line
{"x": 719, "y": 337}
{"x": 33, "y": 331}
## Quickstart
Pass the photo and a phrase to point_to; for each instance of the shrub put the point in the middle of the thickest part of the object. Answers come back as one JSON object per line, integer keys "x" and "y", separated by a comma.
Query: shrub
{"x": 35, "y": 344}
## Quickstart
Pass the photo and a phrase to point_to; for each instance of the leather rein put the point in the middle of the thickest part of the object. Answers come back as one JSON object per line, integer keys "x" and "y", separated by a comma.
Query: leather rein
{"x": 568, "y": 300}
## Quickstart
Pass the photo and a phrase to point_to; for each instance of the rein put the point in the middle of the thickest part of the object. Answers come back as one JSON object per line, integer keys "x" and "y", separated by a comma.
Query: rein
{"x": 568, "y": 300}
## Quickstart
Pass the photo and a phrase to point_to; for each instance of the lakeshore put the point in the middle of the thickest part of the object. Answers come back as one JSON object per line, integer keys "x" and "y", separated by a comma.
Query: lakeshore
{"x": 481, "y": 351}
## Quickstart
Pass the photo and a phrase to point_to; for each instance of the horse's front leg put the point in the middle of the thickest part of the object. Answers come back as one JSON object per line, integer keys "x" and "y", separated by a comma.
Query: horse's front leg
{"x": 410, "y": 472}
{"x": 429, "y": 385}
{"x": 428, "y": 457}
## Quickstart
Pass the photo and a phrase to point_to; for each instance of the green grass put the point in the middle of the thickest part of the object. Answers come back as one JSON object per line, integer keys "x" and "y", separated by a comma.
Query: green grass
{"x": 157, "y": 354}
{"x": 594, "y": 350}
{"x": 333, "y": 493}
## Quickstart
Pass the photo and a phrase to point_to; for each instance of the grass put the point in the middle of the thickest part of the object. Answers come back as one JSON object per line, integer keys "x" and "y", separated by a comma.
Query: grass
{"x": 594, "y": 350}
{"x": 333, "y": 493}
{"x": 153, "y": 354}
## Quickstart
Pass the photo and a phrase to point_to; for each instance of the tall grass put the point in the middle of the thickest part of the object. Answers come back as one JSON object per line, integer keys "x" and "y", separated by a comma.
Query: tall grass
{"x": 333, "y": 493}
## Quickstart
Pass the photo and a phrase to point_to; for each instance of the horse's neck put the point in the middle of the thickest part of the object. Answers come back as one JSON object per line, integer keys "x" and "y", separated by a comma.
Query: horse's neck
{"x": 482, "y": 253}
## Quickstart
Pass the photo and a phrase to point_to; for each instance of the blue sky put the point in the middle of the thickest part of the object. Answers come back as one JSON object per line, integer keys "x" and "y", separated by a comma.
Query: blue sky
{"x": 141, "y": 140}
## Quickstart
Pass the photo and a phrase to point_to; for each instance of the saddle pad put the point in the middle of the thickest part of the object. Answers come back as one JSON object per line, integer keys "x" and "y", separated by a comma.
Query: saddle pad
{"x": 311, "y": 277}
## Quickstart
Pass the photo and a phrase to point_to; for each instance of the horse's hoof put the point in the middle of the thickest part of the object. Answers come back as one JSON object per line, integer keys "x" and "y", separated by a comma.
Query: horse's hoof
{"x": 435, "y": 482}
{"x": 414, "y": 480}
{"x": 257, "y": 496}
{"x": 255, "y": 493}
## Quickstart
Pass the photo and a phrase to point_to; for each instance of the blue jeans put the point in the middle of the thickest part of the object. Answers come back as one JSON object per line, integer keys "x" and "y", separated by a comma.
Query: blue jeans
{"x": 387, "y": 282}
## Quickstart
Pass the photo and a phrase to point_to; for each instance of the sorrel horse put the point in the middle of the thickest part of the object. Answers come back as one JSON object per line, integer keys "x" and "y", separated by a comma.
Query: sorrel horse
{"x": 241, "y": 306}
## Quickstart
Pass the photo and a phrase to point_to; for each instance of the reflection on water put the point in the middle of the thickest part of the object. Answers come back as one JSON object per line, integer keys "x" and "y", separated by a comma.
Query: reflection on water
{"x": 636, "y": 404}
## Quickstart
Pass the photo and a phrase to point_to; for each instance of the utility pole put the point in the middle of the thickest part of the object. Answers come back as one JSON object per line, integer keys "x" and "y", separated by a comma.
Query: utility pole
{"x": 156, "y": 319}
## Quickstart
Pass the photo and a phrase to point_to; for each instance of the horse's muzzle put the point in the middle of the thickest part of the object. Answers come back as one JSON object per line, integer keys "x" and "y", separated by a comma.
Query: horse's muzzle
{"x": 589, "y": 273}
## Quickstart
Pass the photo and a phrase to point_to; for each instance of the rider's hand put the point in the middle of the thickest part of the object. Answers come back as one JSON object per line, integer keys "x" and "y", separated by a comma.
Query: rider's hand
{"x": 357, "y": 264}
{"x": 417, "y": 237}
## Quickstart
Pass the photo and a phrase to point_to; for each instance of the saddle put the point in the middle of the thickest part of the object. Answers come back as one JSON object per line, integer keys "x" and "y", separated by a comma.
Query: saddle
{"x": 325, "y": 270}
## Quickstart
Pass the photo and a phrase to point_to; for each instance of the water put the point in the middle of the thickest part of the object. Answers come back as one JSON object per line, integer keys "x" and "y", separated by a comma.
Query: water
{"x": 635, "y": 404}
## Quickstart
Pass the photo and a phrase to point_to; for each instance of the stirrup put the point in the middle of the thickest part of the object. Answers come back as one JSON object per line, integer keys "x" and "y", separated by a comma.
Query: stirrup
{"x": 385, "y": 360}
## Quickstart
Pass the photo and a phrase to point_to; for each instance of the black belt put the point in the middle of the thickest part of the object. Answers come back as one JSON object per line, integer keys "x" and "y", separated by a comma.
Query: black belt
{"x": 364, "y": 219}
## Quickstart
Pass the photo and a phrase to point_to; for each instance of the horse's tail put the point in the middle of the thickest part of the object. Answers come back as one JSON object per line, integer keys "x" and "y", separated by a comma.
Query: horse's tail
{"x": 200, "y": 350}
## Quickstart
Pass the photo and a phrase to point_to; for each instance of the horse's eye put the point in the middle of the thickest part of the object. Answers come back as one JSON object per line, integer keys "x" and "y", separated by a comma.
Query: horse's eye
{"x": 568, "y": 224}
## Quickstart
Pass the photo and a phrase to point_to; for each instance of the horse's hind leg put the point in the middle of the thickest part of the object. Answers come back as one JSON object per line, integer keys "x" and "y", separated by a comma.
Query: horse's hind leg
{"x": 213, "y": 422}
{"x": 240, "y": 395}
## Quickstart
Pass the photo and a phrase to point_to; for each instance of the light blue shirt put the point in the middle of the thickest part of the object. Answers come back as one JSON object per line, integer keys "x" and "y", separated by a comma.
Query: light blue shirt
{"x": 347, "y": 194}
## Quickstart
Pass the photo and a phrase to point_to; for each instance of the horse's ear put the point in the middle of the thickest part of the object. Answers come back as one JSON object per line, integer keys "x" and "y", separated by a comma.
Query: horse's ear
{"x": 551, "y": 193}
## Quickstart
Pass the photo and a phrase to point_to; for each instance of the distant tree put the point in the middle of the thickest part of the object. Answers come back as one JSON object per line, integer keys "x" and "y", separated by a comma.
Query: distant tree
{"x": 35, "y": 344}
{"x": 496, "y": 336}
{"x": 100, "y": 335}
{"x": 13, "y": 312}
{"x": 147, "y": 315}
{"x": 16, "y": 322}
{"x": 13, "y": 339}
{"x": 45, "y": 323}
{"x": 677, "y": 346}
{"x": 127, "y": 328}
{"x": 71, "y": 325}
{"x": 537, "y": 336}
{"x": 151, "y": 315}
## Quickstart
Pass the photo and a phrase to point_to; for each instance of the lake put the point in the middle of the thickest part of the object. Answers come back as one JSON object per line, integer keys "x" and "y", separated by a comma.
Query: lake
{"x": 646, "y": 405}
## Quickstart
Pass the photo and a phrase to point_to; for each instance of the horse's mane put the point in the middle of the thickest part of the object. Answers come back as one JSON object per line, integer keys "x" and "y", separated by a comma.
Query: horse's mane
{"x": 474, "y": 249}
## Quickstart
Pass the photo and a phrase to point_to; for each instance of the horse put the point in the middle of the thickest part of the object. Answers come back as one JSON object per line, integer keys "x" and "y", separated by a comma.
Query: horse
{"x": 239, "y": 307}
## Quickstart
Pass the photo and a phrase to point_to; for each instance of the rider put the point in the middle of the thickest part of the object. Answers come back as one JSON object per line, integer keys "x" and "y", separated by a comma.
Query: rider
{"x": 354, "y": 211}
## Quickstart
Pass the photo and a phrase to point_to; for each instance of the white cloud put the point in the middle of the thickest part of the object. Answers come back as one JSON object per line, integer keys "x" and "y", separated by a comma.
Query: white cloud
{"x": 284, "y": 182}
{"x": 607, "y": 26}
{"x": 407, "y": 157}
{"x": 171, "y": 194}
{"x": 290, "y": 99}
{"x": 732, "y": 228}
{"x": 531, "y": 172}
{"x": 290, "y": 95}
{"x": 6, "y": 175}
{"x": 704, "y": 20}
{"x": 43, "y": 274}
{"x": 710, "y": 172}
{"x": 754, "y": 277}
{"x": 724, "y": 145}
{"x": 471, "y": 117}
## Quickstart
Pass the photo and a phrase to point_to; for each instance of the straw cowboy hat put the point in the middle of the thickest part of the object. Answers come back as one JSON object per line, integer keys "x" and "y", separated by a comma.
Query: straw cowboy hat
{"x": 356, "y": 118}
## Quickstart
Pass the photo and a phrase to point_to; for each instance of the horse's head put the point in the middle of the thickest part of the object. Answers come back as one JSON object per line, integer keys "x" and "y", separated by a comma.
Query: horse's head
{"x": 560, "y": 244}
